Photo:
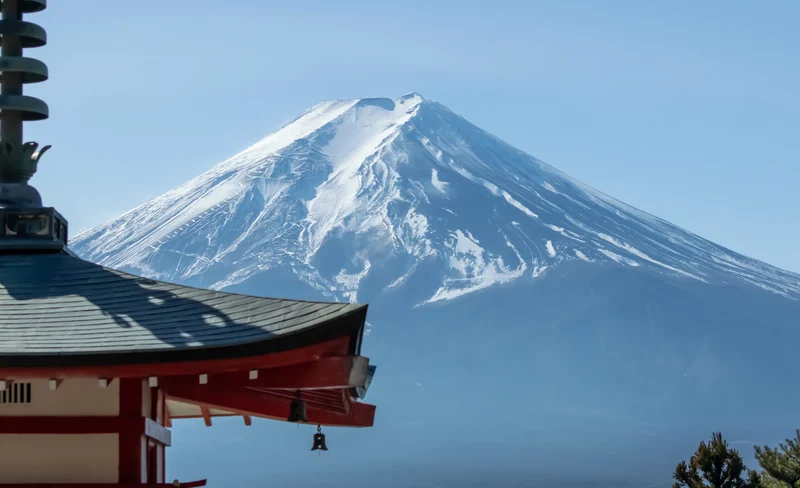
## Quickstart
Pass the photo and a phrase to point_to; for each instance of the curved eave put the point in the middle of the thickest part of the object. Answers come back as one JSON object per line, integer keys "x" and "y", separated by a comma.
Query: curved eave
{"x": 57, "y": 311}
{"x": 344, "y": 334}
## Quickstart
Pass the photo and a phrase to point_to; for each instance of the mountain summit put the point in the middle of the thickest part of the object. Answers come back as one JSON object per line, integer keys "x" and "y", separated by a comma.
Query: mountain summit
{"x": 390, "y": 192}
{"x": 519, "y": 315}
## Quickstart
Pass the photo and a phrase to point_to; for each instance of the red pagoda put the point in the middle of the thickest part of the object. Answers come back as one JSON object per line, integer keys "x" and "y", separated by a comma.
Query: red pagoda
{"x": 96, "y": 364}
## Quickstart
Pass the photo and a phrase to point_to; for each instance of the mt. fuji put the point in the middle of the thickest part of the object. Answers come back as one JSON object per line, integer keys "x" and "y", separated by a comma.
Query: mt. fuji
{"x": 410, "y": 186}
{"x": 512, "y": 307}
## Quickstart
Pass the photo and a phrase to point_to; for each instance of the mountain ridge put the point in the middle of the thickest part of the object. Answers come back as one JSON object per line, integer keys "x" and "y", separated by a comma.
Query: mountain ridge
{"x": 517, "y": 313}
{"x": 365, "y": 168}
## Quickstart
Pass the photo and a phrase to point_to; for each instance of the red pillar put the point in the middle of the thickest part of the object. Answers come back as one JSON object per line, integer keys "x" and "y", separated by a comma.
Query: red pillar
{"x": 155, "y": 449}
{"x": 163, "y": 396}
{"x": 130, "y": 443}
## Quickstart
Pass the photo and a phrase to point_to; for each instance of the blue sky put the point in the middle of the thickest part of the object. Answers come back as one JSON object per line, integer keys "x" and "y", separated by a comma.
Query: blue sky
{"x": 688, "y": 110}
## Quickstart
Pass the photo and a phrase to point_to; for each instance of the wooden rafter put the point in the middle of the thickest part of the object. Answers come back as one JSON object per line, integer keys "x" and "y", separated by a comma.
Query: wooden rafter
{"x": 206, "y": 413}
{"x": 335, "y": 347}
{"x": 333, "y": 372}
{"x": 331, "y": 400}
{"x": 242, "y": 401}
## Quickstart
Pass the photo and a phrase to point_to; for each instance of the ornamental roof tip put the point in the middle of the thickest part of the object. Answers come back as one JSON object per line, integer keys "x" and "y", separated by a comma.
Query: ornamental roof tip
{"x": 19, "y": 162}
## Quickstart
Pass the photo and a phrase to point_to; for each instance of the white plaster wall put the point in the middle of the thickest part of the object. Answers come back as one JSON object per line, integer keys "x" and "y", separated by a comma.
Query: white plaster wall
{"x": 78, "y": 396}
{"x": 59, "y": 458}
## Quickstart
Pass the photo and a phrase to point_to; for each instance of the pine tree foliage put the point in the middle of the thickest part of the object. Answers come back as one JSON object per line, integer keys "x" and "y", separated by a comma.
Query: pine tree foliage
{"x": 781, "y": 465}
{"x": 715, "y": 465}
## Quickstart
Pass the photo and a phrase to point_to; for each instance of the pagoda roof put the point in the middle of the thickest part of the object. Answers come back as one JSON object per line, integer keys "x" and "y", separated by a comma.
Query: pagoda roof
{"x": 59, "y": 310}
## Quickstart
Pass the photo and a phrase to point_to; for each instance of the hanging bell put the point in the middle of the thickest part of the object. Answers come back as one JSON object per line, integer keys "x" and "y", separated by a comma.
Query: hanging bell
{"x": 297, "y": 411}
{"x": 319, "y": 441}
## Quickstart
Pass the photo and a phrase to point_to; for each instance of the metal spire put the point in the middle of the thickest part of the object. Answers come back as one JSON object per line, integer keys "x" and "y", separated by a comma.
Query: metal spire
{"x": 18, "y": 160}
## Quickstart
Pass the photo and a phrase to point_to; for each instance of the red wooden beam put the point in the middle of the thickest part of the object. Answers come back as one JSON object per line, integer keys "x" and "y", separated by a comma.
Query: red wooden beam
{"x": 189, "y": 484}
{"x": 130, "y": 450}
{"x": 125, "y": 426}
{"x": 204, "y": 411}
{"x": 336, "y": 347}
{"x": 70, "y": 425}
{"x": 330, "y": 400}
{"x": 167, "y": 417}
{"x": 334, "y": 372}
{"x": 165, "y": 420}
{"x": 253, "y": 403}
{"x": 248, "y": 420}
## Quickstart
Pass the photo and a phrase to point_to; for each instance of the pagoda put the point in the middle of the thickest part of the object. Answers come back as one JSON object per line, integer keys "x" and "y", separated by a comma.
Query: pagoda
{"x": 96, "y": 364}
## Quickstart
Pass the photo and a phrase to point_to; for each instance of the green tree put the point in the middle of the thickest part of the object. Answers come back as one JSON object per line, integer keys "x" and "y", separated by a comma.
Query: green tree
{"x": 715, "y": 465}
{"x": 781, "y": 466}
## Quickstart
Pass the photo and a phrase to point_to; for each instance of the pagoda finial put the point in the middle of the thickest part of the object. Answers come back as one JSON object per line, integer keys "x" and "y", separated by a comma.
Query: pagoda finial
{"x": 18, "y": 160}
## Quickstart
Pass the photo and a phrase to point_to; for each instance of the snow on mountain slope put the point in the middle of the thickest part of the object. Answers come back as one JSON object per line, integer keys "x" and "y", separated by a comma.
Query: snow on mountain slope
{"x": 388, "y": 190}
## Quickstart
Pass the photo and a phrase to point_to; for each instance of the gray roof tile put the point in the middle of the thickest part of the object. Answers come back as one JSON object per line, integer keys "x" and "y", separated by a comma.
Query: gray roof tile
{"x": 57, "y": 304}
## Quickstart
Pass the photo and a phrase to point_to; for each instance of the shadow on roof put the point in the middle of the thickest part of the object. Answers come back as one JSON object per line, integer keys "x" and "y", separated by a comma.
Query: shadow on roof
{"x": 59, "y": 303}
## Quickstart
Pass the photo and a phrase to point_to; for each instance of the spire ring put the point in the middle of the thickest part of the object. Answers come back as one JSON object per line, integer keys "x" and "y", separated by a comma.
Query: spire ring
{"x": 30, "y": 6}
{"x": 17, "y": 163}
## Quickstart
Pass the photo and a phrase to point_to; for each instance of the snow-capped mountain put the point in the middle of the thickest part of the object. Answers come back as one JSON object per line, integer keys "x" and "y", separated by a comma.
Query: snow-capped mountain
{"x": 518, "y": 314}
{"x": 410, "y": 187}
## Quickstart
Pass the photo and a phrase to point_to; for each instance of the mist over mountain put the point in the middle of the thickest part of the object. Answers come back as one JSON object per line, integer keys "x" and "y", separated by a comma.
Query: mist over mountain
{"x": 520, "y": 319}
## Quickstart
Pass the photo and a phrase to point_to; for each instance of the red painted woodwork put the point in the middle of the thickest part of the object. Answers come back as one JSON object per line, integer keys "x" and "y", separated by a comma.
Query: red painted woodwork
{"x": 152, "y": 447}
{"x": 336, "y": 401}
{"x": 248, "y": 402}
{"x": 323, "y": 374}
{"x": 334, "y": 372}
{"x": 337, "y": 347}
{"x": 154, "y": 403}
{"x": 130, "y": 443}
{"x": 78, "y": 425}
{"x": 189, "y": 484}
{"x": 152, "y": 463}
{"x": 204, "y": 411}
{"x": 165, "y": 419}
{"x": 69, "y": 425}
